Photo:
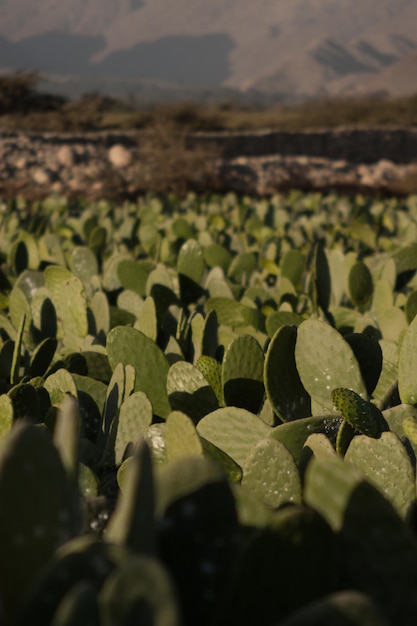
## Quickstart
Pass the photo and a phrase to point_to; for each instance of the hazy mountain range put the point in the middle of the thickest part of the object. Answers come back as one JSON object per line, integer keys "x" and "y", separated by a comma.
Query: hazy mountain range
{"x": 294, "y": 48}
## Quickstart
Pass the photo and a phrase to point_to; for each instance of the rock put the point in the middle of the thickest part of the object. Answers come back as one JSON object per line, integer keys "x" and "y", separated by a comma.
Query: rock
{"x": 119, "y": 156}
{"x": 66, "y": 156}
{"x": 41, "y": 177}
{"x": 21, "y": 163}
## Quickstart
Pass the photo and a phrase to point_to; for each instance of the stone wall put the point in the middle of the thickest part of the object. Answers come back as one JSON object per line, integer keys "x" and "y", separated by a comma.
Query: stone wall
{"x": 398, "y": 145}
{"x": 95, "y": 165}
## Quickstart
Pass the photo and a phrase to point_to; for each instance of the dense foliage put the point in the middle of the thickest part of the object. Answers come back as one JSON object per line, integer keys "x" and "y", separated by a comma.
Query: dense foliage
{"x": 208, "y": 411}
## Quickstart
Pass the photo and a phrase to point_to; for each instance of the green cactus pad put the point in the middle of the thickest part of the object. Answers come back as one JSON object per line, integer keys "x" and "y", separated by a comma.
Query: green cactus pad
{"x": 325, "y": 361}
{"x": 67, "y": 434}
{"x": 19, "y": 308}
{"x": 233, "y": 430}
{"x": 261, "y": 593}
{"x": 283, "y": 386}
{"x": 135, "y": 416}
{"x": 344, "y": 608}
{"x": 242, "y": 266}
{"x": 197, "y": 533}
{"x": 99, "y": 306}
{"x": 409, "y": 425}
{"x": 411, "y": 306}
{"x": 337, "y": 268}
{"x": 44, "y": 314}
{"x": 212, "y": 372}
{"x": 392, "y": 323}
{"x": 270, "y": 472}
{"x": 35, "y": 520}
{"x": 87, "y": 482}
{"x": 98, "y": 366}
{"x": 17, "y": 353}
{"x": 345, "y": 435}
{"x": 91, "y": 398}
{"x": 242, "y": 374}
{"x": 251, "y": 512}
{"x": 189, "y": 392}
{"x": 6, "y": 415}
{"x": 147, "y": 322}
{"x": 83, "y": 560}
{"x": 6, "y": 357}
{"x": 42, "y": 357}
{"x": 230, "y": 468}
{"x": 181, "y": 438}
{"x": 97, "y": 239}
{"x": 83, "y": 263}
{"x": 217, "y": 256}
{"x": 209, "y": 343}
{"x": 191, "y": 261}
{"x": 133, "y": 275}
{"x": 405, "y": 258}
{"x": 321, "y": 278}
{"x": 386, "y": 464}
{"x": 25, "y": 402}
{"x": 139, "y": 591}
{"x": 292, "y": 266}
{"x": 316, "y": 445}
{"x": 69, "y": 299}
{"x": 294, "y": 434}
{"x": 407, "y": 362}
{"x": 368, "y": 354}
{"x": 389, "y": 373}
{"x": 114, "y": 398}
{"x": 132, "y": 523}
{"x": 58, "y": 385}
{"x": 111, "y": 280}
{"x": 130, "y": 346}
{"x": 378, "y": 552}
{"x": 361, "y": 286}
{"x": 362, "y": 415}
{"x": 275, "y": 320}
{"x": 79, "y": 606}
{"x": 234, "y": 314}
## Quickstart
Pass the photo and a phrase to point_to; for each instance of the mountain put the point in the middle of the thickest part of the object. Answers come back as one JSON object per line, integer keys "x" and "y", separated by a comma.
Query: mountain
{"x": 295, "y": 48}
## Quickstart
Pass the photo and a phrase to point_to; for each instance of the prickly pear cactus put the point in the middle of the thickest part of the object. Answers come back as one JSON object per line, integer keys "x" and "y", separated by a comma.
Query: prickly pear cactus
{"x": 326, "y": 361}
{"x": 270, "y": 472}
{"x": 131, "y": 347}
{"x": 189, "y": 392}
{"x": 361, "y": 286}
{"x": 386, "y": 464}
{"x": 242, "y": 374}
{"x": 233, "y": 430}
{"x": 260, "y": 593}
{"x": 140, "y": 589}
{"x": 39, "y": 521}
{"x": 132, "y": 523}
{"x": 406, "y": 365}
{"x": 378, "y": 552}
{"x": 283, "y": 386}
{"x": 362, "y": 415}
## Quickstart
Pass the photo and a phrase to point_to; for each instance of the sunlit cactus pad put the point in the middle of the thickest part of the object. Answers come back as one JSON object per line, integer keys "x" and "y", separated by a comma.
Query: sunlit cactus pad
{"x": 208, "y": 411}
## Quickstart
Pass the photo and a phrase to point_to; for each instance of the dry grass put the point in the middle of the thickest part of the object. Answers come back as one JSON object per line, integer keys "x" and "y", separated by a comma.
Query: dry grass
{"x": 23, "y": 107}
{"x": 167, "y": 164}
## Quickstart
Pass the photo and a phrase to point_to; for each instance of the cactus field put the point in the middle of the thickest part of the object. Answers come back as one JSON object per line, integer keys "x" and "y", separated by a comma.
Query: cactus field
{"x": 208, "y": 411}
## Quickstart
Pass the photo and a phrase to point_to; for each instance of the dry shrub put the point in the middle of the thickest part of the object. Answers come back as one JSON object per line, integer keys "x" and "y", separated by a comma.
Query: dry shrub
{"x": 168, "y": 164}
{"x": 18, "y": 94}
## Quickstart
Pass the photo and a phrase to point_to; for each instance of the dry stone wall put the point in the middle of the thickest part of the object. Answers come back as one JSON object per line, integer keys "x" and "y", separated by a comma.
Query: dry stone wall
{"x": 399, "y": 145}
{"x": 96, "y": 164}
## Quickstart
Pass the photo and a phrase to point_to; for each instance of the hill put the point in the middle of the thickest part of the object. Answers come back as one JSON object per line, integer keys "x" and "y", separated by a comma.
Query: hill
{"x": 294, "y": 48}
